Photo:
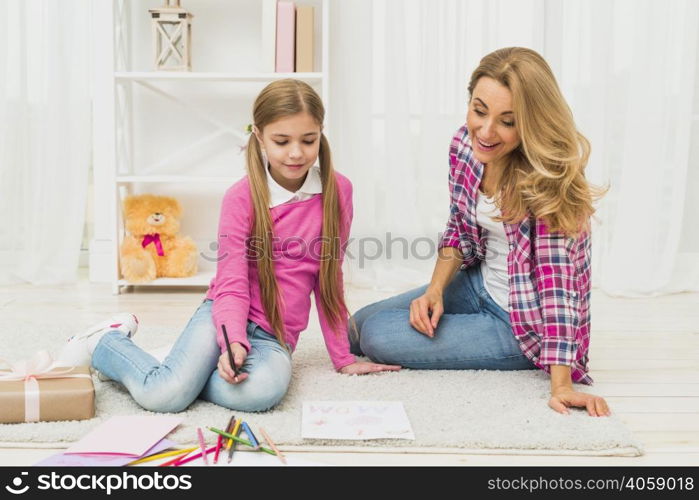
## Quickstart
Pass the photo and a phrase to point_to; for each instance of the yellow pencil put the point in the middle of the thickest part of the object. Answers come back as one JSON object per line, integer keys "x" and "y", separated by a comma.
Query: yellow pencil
{"x": 162, "y": 455}
{"x": 235, "y": 431}
{"x": 273, "y": 446}
{"x": 229, "y": 428}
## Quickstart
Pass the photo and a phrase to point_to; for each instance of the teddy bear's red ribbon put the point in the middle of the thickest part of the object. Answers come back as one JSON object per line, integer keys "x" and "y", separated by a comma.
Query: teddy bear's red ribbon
{"x": 155, "y": 239}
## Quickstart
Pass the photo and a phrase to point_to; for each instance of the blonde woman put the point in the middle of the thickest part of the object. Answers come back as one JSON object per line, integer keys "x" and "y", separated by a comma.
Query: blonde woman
{"x": 282, "y": 232}
{"x": 511, "y": 287}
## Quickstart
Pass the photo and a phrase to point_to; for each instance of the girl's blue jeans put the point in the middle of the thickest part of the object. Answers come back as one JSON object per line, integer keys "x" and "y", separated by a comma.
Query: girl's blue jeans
{"x": 190, "y": 369}
{"x": 473, "y": 333}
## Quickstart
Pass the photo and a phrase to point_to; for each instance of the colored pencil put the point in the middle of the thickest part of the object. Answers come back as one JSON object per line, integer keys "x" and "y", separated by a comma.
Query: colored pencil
{"x": 219, "y": 442}
{"x": 251, "y": 436}
{"x": 162, "y": 455}
{"x": 200, "y": 435}
{"x": 272, "y": 445}
{"x": 194, "y": 457}
{"x": 229, "y": 428}
{"x": 240, "y": 440}
{"x": 176, "y": 459}
{"x": 230, "y": 353}
{"x": 235, "y": 432}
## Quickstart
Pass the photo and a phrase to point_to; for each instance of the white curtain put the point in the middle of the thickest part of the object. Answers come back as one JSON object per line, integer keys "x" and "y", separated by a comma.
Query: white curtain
{"x": 45, "y": 138}
{"x": 627, "y": 68}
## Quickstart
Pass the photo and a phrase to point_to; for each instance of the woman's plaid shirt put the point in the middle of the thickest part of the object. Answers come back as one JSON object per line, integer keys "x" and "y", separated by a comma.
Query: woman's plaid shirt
{"x": 549, "y": 273}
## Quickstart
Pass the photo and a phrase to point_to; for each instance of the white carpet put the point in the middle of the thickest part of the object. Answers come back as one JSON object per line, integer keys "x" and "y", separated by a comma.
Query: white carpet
{"x": 450, "y": 411}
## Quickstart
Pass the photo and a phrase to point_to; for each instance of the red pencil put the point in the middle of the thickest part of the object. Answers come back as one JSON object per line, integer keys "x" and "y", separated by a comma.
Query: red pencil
{"x": 219, "y": 442}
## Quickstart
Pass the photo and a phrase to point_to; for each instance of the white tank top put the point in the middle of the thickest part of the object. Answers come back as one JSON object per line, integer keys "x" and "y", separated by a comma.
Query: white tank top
{"x": 494, "y": 267}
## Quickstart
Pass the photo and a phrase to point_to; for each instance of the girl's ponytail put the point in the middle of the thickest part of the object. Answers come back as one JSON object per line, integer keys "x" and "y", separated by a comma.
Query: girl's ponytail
{"x": 262, "y": 238}
{"x": 335, "y": 232}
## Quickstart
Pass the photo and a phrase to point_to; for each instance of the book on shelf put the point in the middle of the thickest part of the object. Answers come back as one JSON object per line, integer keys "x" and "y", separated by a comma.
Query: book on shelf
{"x": 304, "y": 38}
{"x": 269, "y": 35}
{"x": 286, "y": 27}
{"x": 288, "y": 38}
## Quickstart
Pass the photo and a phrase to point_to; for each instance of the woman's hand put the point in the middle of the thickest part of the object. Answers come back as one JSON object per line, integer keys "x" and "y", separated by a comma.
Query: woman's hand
{"x": 362, "y": 368}
{"x": 425, "y": 312}
{"x": 224, "y": 366}
{"x": 564, "y": 398}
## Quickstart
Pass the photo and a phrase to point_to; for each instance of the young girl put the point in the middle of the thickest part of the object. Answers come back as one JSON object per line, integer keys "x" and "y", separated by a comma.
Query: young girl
{"x": 511, "y": 287}
{"x": 281, "y": 236}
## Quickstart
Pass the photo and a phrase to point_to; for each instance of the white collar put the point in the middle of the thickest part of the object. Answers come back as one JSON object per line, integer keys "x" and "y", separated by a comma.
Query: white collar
{"x": 279, "y": 195}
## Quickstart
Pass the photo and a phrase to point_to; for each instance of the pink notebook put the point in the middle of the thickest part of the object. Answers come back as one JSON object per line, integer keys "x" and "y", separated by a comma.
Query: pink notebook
{"x": 286, "y": 37}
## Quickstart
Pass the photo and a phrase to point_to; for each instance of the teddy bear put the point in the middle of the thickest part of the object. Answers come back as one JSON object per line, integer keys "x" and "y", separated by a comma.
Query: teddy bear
{"x": 153, "y": 248}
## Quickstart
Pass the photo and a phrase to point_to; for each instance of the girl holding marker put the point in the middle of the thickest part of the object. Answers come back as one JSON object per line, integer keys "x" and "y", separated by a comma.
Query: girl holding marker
{"x": 282, "y": 233}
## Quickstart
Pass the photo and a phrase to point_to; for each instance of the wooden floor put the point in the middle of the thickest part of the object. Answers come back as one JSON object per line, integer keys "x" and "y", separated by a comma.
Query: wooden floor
{"x": 644, "y": 358}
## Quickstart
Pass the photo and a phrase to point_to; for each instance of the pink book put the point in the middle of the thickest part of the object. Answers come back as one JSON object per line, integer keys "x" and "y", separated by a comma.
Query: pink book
{"x": 286, "y": 37}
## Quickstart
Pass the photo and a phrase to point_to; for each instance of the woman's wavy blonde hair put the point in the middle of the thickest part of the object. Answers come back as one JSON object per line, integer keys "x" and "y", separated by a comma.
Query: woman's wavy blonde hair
{"x": 544, "y": 176}
{"x": 277, "y": 100}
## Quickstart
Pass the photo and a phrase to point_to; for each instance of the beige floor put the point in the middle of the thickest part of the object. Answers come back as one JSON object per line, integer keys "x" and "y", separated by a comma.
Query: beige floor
{"x": 644, "y": 358}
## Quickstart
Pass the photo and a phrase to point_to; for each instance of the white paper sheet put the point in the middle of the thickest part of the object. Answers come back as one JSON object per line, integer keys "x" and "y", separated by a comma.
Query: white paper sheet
{"x": 359, "y": 420}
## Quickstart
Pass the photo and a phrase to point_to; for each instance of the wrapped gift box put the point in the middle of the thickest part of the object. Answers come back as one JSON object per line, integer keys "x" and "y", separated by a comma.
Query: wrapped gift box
{"x": 63, "y": 394}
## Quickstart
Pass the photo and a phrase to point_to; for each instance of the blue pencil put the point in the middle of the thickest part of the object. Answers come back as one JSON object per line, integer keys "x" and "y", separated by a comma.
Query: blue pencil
{"x": 251, "y": 436}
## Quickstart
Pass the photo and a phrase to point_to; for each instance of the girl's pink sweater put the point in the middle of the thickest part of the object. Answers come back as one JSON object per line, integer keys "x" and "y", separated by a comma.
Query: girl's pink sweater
{"x": 235, "y": 289}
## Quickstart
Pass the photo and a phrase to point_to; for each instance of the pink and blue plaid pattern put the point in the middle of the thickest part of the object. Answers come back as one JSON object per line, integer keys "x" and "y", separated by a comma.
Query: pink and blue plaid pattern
{"x": 549, "y": 272}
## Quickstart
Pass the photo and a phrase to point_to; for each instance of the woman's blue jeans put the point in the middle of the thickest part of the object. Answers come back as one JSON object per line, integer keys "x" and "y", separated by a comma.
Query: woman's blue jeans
{"x": 473, "y": 333}
{"x": 189, "y": 370}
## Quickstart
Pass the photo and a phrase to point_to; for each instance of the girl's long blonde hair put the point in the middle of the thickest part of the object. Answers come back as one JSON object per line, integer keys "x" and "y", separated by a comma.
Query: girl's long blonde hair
{"x": 277, "y": 100}
{"x": 544, "y": 176}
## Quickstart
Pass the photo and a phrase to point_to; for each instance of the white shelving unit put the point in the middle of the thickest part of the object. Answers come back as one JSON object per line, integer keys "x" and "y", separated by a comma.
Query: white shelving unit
{"x": 230, "y": 77}
{"x": 169, "y": 179}
{"x": 122, "y": 81}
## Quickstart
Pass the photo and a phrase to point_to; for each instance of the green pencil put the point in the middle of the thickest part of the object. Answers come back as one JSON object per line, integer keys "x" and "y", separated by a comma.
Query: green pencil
{"x": 240, "y": 440}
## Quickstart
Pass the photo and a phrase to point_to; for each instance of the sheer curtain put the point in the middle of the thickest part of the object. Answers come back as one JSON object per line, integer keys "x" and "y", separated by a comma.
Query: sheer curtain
{"x": 398, "y": 92}
{"x": 629, "y": 69}
{"x": 45, "y": 138}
